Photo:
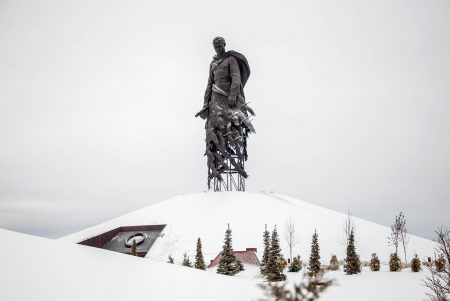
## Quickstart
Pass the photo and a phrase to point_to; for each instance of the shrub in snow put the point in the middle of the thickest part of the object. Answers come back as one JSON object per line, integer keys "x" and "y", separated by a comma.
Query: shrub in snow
{"x": 415, "y": 264}
{"x": 439, "y": 263}
{"x": 314, "y": 258}
{"x": 296, "y": 264}
{"x": 133, "y": 248}
{"x": 239, "y": 265}
{"x": 265, "y": 258}
{"x": 307, "y": 289}
{"x": 375, "y": 263}
{"x": 283, "y": 263}
{"x": 395, "y": 264}
{"x": 170, "y": 259}
{"x": 352, "y": 262}
{"x": 186, "y": 261}
{"x": 334, "y": 263}
{"x": 274, "y": 271}
{"x": 228, "y": 264}
{"x": 199, "y": 261}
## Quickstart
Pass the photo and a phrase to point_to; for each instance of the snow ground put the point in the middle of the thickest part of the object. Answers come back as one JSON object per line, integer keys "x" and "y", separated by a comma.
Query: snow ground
{"x": 41, "y": 269}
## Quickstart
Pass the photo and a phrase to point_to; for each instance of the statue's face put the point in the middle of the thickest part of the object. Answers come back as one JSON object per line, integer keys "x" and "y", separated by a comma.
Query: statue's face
{"x": 219, "y": 48}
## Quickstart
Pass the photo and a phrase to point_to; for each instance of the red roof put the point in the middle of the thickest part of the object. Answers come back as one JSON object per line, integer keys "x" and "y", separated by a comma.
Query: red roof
{"x": 247, "y": 257}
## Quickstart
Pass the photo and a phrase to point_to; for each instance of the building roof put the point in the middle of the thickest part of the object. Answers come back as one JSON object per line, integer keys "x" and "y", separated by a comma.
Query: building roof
{"x": 247, "y": 257}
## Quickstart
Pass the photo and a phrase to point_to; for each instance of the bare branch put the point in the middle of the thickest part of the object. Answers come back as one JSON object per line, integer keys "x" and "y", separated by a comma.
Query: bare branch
{"x": 438, "y": 281}
{"x": 290, "y": 235}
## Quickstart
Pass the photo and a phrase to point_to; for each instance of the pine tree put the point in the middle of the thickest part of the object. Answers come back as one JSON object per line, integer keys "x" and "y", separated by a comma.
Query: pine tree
{"x": 133, "y": 248}
{"x": 415, "y": 264}
{"x": 314, "y": 258}
{"x": 296, "y": 264}
{"x": 265, "y": 258}
{"x": 227, "y": 264}
{"x": 274, "y": 272}
{"x": 199, "y": 261}
{"x": 170, "y": 259}
{"x": 239, "y": 266}
{"x": 186, "y": 261}
{"x": 395, "y": 265}
{"x": 334, "y": 263}
{"x": 375, "y": 263}
{"x": 352, "y": 262}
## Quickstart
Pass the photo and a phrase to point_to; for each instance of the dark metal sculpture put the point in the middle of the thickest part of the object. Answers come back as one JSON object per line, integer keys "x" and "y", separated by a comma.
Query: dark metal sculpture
{"x": 227, "y": 119}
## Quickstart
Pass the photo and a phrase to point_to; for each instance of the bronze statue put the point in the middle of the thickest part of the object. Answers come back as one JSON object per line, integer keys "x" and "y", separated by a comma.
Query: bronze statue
{"x": 227, "y": 117}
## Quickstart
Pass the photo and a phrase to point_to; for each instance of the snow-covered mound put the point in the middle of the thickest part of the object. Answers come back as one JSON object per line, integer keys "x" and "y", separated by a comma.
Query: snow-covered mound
{"x": 40, "y": 269}
{"x": 206, "y": 215}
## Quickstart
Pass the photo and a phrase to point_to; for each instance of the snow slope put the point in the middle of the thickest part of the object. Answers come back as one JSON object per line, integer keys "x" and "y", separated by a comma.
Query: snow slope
{"x": 40, "y": 269}
{"x": 206, "y": 215}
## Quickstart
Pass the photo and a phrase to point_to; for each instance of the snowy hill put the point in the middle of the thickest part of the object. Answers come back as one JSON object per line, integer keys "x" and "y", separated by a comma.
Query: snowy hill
{"x": 206, "y": 215}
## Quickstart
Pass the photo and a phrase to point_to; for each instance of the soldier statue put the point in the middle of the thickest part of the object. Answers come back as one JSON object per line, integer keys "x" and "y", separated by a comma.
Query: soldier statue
{"x": 227, "y": 115}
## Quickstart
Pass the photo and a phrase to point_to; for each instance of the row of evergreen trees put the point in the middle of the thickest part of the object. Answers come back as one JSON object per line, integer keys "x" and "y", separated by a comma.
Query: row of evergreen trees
{"x": 273, "y": 263}
{"x": 199, "y": 260}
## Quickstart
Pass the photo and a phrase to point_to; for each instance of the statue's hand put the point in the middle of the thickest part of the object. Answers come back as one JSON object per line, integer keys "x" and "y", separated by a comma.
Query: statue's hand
{"x": 232, "y": 101}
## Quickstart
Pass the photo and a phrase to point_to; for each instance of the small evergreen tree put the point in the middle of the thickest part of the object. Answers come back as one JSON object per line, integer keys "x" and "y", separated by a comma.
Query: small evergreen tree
{"x": 314, "y": 258}
{"x": 352, "y": 262}
{"x": 439, "y": 263}
{"x": 274, "y": 271}
{"x": 296, "y": 264}
{"x": 186, "y": 261}
{"x": 395, "y": 265}
{"x": 375, "y": 263}
{"x": 239, "y": 266}
{"x": 334, "y": 263}
{"x": 170, "y": 259}
{"x": 227, "y": 264}
{"x": 265, "y": 258}
{"x": 199, "y": 261}
{"x": 133, "y": 248}
{"x": 415, "y": 264}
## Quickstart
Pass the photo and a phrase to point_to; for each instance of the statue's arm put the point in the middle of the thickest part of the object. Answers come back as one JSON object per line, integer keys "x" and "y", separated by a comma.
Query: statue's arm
{"x": 235, "y": 80}
{"x": 208, "y": 91}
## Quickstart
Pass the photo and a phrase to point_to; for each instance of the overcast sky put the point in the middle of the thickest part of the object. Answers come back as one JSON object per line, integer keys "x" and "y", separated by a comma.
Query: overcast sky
{"x": 97, "y": 104}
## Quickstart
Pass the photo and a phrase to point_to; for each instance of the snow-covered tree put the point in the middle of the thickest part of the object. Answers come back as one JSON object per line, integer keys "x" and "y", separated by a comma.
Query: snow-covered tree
{"x": 314, "y": 258}
{"x": 228, "y": 264}
{"x": 399, "y": 234}
{"x": 296, "y": 264}
{"x": 348, "y": 226}
{"x": 375, "y": 263}
{"x": 199, "y": 261}
{"x": 415, "y": 264}
{"x": 334, "y": 263}
{"x": 395, "y": 265}
{"x": 274, "y": 271}
{"x": 265, "y": 258}
{"x": 352, "y": 262}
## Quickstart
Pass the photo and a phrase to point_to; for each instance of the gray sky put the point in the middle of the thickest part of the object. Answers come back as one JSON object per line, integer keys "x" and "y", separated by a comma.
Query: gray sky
{"x": 97, "y": 101}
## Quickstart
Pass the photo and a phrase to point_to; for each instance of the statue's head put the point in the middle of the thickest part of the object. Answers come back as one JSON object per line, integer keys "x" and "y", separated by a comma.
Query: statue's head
{"x": 219, "y": 45}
